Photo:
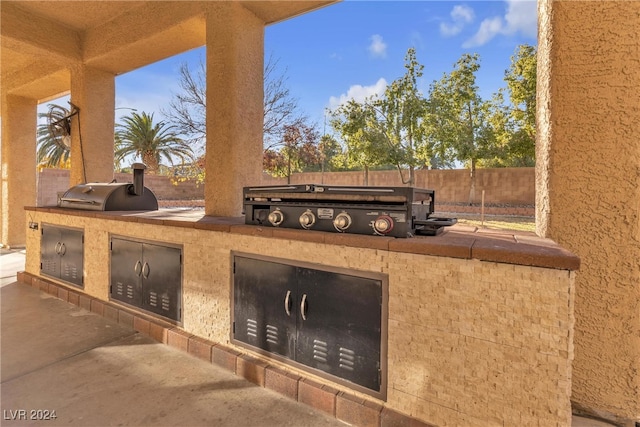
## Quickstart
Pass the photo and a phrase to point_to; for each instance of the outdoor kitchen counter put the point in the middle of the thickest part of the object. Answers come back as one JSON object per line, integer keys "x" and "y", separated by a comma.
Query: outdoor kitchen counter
{"x": 476, "y": 324}
{"x": 458, "y": 241}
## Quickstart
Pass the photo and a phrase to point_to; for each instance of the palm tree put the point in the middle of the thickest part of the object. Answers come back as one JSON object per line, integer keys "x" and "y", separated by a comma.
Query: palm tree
{"x": 53, "y": 151}
{"x": 139, "y": 136}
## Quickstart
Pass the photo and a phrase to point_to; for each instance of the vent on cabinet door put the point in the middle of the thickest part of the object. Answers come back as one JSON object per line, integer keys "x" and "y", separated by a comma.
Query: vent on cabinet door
{"x": 272, "y": 334}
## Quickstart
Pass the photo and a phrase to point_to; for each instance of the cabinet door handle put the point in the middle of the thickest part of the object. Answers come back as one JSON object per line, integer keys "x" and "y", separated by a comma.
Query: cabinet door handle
{"x": 63, "y": 249}
{"x": 138, "y": 268}
{"x": 57, "y": 248}
{"x": 146, "y": 270}
{"x": 303, "y": 307}
{"x": 287, "y": 303}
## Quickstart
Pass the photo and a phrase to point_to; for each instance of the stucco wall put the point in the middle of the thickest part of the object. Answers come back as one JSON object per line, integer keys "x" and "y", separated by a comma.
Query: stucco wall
{"x": 470, "y": 343}
{"x": 18, "y": 158}
{"x": 588, "y": 176}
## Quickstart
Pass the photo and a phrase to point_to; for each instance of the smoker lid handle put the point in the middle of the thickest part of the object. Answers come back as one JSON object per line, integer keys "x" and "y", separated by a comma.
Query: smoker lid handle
{"x": 72, "y": 200}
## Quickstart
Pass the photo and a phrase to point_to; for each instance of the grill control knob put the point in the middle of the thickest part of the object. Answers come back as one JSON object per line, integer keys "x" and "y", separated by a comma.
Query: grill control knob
{"x": 383, "y": 224}
{"x": 276, "y": 218}
{"x": 307, "y": 219}
{"x": 342, "y": 221}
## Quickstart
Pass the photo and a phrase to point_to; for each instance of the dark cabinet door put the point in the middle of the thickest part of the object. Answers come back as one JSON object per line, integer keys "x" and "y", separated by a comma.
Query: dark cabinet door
{"x": 265, "y": 307}
{"x": 339, "y": 325}
{"x": 126, "y": 271}
{"x": 324, "y": 320}
{"x": 71, "y": 252}
{"x": 49, "y": 244}
{"x": 161, "y": 280}
{"x": 148, "y": 276}
{"x": 62, "y": 253}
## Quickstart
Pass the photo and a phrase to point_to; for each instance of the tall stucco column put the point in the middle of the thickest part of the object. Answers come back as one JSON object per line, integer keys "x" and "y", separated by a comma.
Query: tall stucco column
{"x": 92, "y": 133}
{"x": 588, "y": 188}
{"x": 18, "y": 189}
{"x": 235, "y": 57}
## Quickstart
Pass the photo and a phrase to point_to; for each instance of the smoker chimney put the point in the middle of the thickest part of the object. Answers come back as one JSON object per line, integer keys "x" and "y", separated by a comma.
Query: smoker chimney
{"x": 138, "y": 178}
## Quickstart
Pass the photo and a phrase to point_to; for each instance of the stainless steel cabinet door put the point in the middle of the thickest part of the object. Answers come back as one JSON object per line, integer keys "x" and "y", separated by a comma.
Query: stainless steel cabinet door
{"x": 62, "y": 253}
{"x": 339, "y": 325}
{"x": 49, "y": 244}
{"x": 126, "y": 271}
{"x": 265, "y": 305}
{"x": 147, "y": 276}
{"x": 162, "y": 280}
{"x": 72, "y": 256}
{"x": 325, "y": 320}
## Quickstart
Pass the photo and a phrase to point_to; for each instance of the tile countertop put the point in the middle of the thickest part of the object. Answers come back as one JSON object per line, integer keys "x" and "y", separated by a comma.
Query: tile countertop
{"x": 458, "y": 241}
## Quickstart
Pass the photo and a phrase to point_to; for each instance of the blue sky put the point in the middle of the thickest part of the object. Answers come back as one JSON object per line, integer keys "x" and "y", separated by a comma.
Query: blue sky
{"x": 354, "y": 48}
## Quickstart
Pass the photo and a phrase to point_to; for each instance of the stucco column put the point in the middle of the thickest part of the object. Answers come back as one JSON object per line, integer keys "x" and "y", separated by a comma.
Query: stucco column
{"x": 18, "y": 189}
{"x": 235, "y": 57}
{"x": 92, "y": 147}
{"x": 588, "y": 188}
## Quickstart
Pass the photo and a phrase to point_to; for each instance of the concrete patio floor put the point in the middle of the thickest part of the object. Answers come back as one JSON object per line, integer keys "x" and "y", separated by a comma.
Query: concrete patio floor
{"x": 56, "y": 356}
{"x": 59, "y": 359}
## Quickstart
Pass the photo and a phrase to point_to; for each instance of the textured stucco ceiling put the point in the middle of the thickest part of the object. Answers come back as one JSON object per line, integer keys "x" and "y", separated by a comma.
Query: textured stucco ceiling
{"x": 41, "y": 40}
{"x": 78, "y": 15}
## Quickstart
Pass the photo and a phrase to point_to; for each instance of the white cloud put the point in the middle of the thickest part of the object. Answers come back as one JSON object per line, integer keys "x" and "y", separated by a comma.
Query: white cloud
{"x": 489, "y": 28}
{"x": 358, "y": 93}
{"x": 460, "y": 16}
{"x": 521, "y": 17}
{"x": 377, "y": 48}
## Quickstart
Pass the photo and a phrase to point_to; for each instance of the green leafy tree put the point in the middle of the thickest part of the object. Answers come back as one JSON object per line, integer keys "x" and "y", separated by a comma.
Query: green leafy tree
{"x": 53, "y": 151}
{"x": 499, "y": 119}
{"x": 388, "y": 130}
{"x": 402, "y": 112}
{"x": 514, "y": 118}
{"x": 521, "y": 86}
{"x": 458, "y": 118}
{"x": 330, "y": 154}
{"x": 139, "y": 136}
{"x": 358, "y": 126}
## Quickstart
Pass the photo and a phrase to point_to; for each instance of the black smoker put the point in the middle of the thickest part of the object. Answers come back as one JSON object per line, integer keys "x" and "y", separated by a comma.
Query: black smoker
{"x": 112, "y": 196}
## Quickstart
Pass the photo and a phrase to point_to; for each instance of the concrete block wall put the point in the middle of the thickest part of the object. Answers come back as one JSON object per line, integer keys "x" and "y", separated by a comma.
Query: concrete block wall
{"x": 470, "y": 342}
{"x": 513, "y": 186}
{"x": 54, "y": 181}
{"x": 50, "y": 183}
{"x": 165, "y": 189}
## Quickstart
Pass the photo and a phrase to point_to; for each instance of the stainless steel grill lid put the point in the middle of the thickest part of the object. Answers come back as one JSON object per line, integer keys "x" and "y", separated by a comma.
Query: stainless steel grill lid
{"x": 96, "y": 196}
{"x": 113, "y": 196}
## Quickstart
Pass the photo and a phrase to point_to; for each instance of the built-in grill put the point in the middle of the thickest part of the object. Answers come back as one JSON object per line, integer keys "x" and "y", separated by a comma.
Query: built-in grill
{"x": 383, "y": 211}
{"x": 112, "y": 196}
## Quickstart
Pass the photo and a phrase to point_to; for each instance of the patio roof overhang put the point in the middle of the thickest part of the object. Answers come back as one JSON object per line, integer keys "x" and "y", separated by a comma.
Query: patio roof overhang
{"x": 42, "y": 40}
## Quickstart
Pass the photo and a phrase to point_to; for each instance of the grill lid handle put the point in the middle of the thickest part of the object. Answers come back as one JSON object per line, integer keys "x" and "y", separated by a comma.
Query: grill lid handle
{"x": 72, "y": 200}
